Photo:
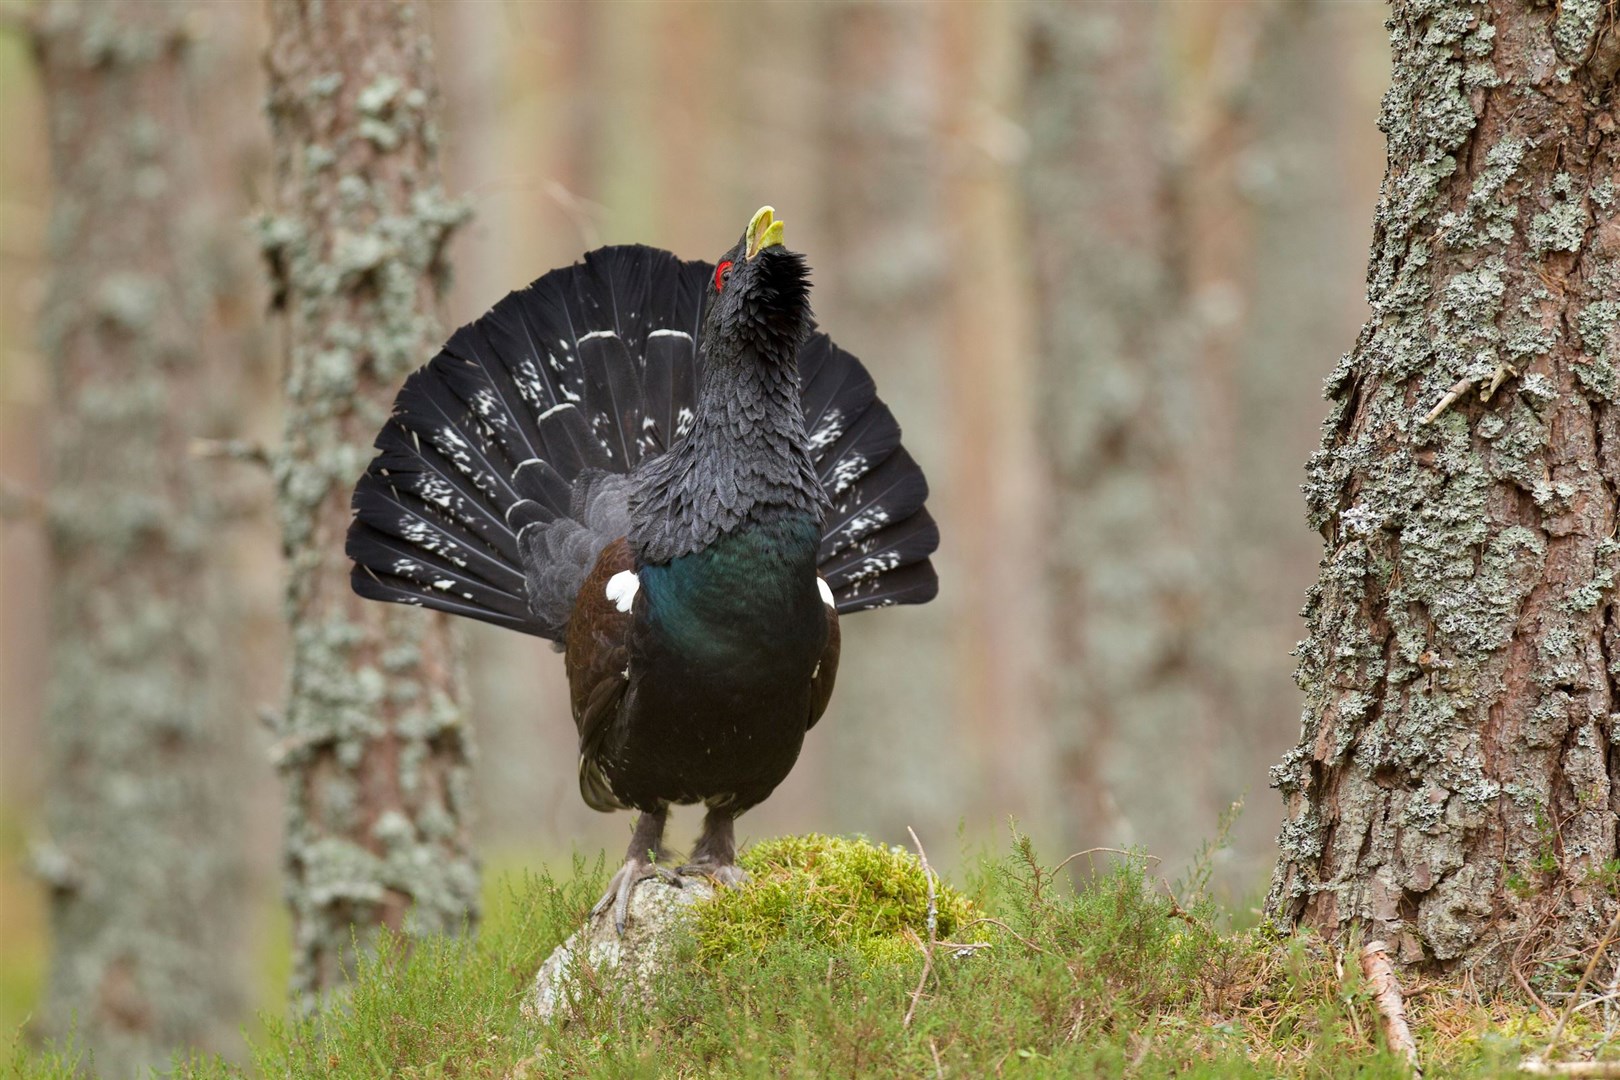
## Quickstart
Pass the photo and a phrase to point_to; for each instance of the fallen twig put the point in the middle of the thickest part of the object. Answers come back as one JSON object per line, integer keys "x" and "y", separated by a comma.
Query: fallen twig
{"x": 1458, "y": 389}
{"x": 1586, "y": 976}
{"x": 1594, "y": 1070}
{"x": 933, "y": 929}
{"x": 1380, "y": 975}
{"x": 1501, "y": 375}
{"x": 1609, "y": 1013}
{"x": 1529, "y": 992}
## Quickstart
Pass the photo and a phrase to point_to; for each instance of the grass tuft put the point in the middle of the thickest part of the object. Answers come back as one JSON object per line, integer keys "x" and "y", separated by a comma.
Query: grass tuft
{"x": 811, "y": 969}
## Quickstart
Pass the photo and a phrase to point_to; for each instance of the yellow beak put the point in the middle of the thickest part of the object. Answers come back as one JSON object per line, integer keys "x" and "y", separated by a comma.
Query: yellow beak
{"x": 763, "y": 232}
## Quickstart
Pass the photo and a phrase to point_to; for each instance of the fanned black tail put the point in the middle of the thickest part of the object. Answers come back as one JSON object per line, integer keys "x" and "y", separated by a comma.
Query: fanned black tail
{"x": 499, "y": 476}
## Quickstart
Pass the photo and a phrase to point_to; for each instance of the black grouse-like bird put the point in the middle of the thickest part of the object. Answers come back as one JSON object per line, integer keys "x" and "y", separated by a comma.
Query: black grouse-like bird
{"x": 663, "y": 467}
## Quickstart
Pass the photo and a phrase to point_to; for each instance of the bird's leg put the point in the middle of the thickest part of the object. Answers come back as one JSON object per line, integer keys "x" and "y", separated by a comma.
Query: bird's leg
{"x": 640, "y": 863}
{"x": 716, "y": 853}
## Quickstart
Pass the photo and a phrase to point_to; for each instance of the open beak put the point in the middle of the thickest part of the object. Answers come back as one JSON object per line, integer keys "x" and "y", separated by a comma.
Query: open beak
{"x": 763, "y": 232}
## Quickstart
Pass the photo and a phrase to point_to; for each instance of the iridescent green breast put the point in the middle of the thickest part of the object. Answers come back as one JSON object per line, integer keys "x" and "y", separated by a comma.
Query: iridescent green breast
{"x": 748, "y": 597}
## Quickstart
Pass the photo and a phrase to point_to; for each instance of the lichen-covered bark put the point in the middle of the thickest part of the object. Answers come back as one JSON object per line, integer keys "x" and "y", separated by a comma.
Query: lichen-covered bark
{"x": 1128, "y": 610}
{"x": 372, "y": 747}
{"x": 143, "y": 856}
{"x": 1453, "y": 788}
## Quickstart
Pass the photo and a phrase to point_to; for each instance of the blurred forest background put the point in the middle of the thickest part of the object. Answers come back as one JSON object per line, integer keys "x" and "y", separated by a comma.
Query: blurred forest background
{"x": 1099, "y": 259}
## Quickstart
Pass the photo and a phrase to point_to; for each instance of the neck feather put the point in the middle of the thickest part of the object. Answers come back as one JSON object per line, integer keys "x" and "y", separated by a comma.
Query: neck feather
{"x": 744, "y": 460}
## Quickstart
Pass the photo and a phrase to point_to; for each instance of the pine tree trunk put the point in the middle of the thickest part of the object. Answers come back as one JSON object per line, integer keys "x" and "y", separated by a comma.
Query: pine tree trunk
{"x": 144, "y": 859}
{"x": 1300, "y": 172}
{"x": 1128, "y": 607}
{"x": 882, "y": 298}
{"x": 1454, "y": 786}
{"x": 990, "y": 474}
{"x": 373, "y": 748}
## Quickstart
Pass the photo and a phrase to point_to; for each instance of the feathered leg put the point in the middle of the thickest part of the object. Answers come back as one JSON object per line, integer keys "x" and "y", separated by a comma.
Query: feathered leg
{"x": 641, "y": 862}
{"x": 716, "y": 853}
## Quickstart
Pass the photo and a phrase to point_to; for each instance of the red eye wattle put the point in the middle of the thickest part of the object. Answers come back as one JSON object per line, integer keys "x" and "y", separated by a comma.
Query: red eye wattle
{"x": 720, "y": 273}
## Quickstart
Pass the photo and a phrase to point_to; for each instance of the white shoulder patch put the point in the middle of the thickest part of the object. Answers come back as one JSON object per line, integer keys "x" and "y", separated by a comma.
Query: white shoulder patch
{"x": 825, "y": 590}
{"x": 621, "y": 589}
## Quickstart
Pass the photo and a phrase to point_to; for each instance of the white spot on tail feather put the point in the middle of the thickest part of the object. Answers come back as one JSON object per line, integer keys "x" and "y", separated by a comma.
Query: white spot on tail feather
{"x": 845, "y": 473}
{"x": 828, "y": 431}
{"x": 428, "y": 538}
{"x": 597, "y": 334}
{"x": 878, "y": 564}
{"x": 869, "y": 520}
{"x": 669, "y": 333}
{"x": 529, "y": 384}
{"x": 622, "y": 588}
{"x": 436, "y": 490}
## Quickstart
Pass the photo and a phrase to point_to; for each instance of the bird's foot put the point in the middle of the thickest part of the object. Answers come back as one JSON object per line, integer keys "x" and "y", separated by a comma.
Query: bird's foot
{"x": 633, "y": 872}
{"x": 728, "y": 874}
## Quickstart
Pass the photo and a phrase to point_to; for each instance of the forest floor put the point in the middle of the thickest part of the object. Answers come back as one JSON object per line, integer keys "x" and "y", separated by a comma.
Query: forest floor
{"x": 824, "y": 967}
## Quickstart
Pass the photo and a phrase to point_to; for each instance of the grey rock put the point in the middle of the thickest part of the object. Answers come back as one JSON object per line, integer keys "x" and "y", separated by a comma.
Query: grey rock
{"x": 656, "y": 910}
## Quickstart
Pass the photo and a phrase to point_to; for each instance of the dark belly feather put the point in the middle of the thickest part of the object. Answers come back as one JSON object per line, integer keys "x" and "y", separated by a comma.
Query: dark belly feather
{"x": 722, "y": 654}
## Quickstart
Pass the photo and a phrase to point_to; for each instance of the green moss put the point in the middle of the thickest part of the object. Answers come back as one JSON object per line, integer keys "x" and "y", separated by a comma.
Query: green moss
{"x": 834, "y": 892}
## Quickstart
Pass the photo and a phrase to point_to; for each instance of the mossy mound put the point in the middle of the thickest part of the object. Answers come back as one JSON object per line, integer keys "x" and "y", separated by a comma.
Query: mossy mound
{"x": 843, "y": 892}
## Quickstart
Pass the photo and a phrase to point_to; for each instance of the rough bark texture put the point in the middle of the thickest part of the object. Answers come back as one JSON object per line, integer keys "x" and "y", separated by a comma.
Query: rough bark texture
{"x": 1453, "y": 790}
{"x": 373, "y": 747}
{"x": 144, "y": 852}
{"x": 1129, "y": 617}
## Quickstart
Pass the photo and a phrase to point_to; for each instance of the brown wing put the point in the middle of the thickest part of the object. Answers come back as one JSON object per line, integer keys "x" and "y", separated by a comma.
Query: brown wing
{"x": 821, "y": 683}
{"x": 597, "y": 659}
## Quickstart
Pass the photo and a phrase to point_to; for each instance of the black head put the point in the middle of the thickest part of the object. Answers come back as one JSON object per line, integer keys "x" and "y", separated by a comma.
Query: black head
{"x": 759, "y": 297}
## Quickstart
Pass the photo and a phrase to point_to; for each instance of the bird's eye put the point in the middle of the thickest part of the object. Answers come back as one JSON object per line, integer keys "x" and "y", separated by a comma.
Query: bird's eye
{"x": 721, "y": 273}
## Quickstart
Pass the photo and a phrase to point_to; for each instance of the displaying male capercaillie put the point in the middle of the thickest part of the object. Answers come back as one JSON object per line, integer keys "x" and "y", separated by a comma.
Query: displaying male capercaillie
{"x": 663, "y": 467}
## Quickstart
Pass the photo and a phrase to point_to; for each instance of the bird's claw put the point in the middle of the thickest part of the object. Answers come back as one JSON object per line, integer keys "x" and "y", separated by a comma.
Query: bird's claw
{"x": 623, "y": 883}
{"x": 728, "y": 874}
